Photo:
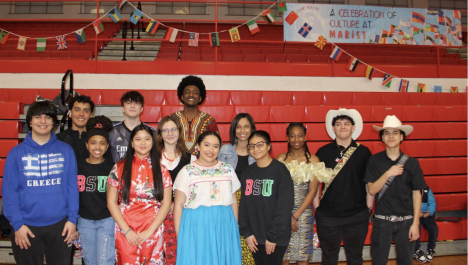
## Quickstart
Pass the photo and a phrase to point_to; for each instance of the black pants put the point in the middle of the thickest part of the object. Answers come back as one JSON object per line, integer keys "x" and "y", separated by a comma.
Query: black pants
{"x": 48, "y": 241}
{"x": 432, "y": 229}
{"x": 275, "y": 258}
{"x": 351, "y": 229}
{"x": 383, "y": 233}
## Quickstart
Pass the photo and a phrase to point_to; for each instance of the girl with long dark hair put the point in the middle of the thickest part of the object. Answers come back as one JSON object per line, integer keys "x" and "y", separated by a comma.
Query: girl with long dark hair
{"x": 266, "y": 203}
{"x": 205, "y": 208}
{"x": 139, "y": 198}
{"x": 237, "y": 155}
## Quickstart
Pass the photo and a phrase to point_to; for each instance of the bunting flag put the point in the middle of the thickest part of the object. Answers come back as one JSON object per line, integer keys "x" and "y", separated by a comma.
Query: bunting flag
{"x": 214, "y": 40}
{"x": 80, "y": 36}
{"x": 136, "y": 16}
{"x": 171, "y": 34}
{"x": 269, "y": 16}
{"x": 387, "y": 80}
{"x": 304, "y": 31}
{"x": 352, "y": 64}
{"x": 122, "y": 4}
{"x": 253, "y": 27}
{"x": 438, "y": 89}
{"x": 152, "y": 27}
{"x": 457, "y": 14}
{"x": 454, "y": 89}
{"x": 193, "y": 39}
{"x": 403, "y": 85}
{"x": 98, "y": 27}
{"x": 61, "y": 42}
{"x": 369, "y": 72}
{"x": 41, "y": 45}
{"x": 418, "y": 18}
{"x": 291, "y": 17}
{"x": 282, "y": 6}
{"x": 320, "y": 43}
{"x": 336, "y": 54}
{"x": 115, "y": 15}
{"x": 234, "y": 33}
{"x": 21, "y": 43}
{"x": 4, "y": 36}
{"x": 421, "y": 88}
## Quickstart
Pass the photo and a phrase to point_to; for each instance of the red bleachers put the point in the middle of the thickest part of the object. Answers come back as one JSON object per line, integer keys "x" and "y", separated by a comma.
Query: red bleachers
{"x": 446, "y": 184}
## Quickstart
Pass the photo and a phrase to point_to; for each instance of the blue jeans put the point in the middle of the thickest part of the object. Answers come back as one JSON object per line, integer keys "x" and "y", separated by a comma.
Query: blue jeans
{"x": 97, "y": 241}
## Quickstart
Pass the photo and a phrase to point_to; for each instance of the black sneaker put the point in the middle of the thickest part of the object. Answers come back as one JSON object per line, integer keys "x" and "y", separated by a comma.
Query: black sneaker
{"x": 420, "y": 256}
{"x": 430, "y": 254}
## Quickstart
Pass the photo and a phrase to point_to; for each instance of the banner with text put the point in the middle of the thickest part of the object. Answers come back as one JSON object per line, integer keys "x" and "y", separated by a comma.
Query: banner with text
{"x": 372, "y": 24}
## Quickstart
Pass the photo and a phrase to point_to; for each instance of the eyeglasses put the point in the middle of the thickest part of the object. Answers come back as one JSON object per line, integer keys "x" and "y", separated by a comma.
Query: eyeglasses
{"x": 172, "y": 130}
{"x": 258, "y": 145}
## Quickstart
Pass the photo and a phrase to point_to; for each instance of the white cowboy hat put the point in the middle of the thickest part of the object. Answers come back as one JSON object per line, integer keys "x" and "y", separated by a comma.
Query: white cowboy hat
{"x": 391, "y": 121}
{"x": 354, "y": 114}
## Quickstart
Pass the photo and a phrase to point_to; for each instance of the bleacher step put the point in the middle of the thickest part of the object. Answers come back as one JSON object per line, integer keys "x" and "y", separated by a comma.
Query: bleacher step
{"x": 129, "y": 53}
{"x": 113, "y": 46}
{"x": 119, "y": 58}
{"x": 137, "y": 42}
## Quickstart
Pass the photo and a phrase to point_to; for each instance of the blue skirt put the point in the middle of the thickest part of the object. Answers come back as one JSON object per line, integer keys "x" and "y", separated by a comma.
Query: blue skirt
{"x": 208, "y": 235}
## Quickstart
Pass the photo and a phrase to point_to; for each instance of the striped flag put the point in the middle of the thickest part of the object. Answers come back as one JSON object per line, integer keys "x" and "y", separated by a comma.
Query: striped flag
{"x": 193, "y": 39}
{"x": 98, "y": 27}
{"x": 269, "y": 16}
{"x": 214, "y": 39}
{"x": 253, "y": 27}
{"x": 152, "y": 27}
{"x": 403, "y": 85}
{"x": 352, "y": 64}
{"x": 369, "y": 72}
{"x": 387, "y": 80}
{"x": 115, "y": 15}
{"x": 41, "y": 45}
{"x": 418, "y": 18}
{"x": 336, "y": 54}
{"x": 456, "y": 14}
{"x": 171, "y": 34}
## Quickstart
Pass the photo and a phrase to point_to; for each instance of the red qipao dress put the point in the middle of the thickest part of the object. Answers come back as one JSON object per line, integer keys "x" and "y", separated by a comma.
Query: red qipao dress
{"x": 139, "y": 213}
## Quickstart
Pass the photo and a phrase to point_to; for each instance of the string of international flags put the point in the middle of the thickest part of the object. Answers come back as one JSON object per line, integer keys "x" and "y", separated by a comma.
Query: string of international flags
{"x": 171, "y": 35}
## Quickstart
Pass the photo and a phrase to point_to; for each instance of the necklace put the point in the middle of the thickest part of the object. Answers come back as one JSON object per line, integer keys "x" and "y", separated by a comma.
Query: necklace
{"x": 341, "y": 151}
{"x": 170, "y": 160}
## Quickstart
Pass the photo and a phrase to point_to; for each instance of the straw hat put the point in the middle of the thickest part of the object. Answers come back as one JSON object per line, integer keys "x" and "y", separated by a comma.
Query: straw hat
{"x": 391, "y": 121}
{"x": 354, "y": 114}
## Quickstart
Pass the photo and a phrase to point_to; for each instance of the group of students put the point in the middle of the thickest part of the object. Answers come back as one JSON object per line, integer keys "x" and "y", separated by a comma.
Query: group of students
{"x": 133, "y": 194}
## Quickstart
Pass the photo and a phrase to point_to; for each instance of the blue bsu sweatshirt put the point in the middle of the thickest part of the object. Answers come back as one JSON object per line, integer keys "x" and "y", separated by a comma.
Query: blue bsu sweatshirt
{"x": 40, "y": 184}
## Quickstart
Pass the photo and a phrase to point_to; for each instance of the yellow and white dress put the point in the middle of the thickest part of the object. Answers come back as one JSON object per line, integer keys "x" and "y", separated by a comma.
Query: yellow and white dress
{"x": 301, "y": 244}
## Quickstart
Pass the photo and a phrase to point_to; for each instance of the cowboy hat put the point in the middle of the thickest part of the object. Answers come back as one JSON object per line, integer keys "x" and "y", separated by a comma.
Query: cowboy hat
{"x": 391, "y": 121}
{"x": 354, "y": 114}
